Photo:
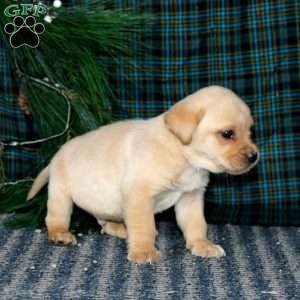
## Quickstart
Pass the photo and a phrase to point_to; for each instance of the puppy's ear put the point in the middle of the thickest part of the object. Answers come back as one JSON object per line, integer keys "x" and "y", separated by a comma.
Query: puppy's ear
{"x": 182, "y": 119}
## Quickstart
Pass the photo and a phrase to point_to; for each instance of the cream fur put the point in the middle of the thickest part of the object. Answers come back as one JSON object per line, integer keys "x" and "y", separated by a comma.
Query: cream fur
{"x": 128, "y": 171}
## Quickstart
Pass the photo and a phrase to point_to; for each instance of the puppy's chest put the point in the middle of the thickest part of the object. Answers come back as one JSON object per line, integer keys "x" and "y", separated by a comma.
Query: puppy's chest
{"x": 188, "y": 181}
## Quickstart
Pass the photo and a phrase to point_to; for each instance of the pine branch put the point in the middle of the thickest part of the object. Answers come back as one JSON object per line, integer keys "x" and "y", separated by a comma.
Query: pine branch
{"x": 78, "y": 50}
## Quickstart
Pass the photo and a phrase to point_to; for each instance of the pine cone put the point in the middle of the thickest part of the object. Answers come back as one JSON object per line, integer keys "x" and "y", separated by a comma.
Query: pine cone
{"x": 24, "y": 104}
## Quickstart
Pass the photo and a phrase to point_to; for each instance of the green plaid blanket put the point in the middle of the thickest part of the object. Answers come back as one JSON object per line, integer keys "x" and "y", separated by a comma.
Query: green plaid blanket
{"x": 248, "y": 46}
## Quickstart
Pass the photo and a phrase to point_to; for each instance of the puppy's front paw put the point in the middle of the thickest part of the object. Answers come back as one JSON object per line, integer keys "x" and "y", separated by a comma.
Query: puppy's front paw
{"x": 62, "y": 238}
{"x": 144, "y": 255}
{"x": 205, "y": 248}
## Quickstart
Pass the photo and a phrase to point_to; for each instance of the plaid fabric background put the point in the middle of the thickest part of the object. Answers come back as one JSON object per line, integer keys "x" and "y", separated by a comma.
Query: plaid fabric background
{"x": 248, "y": 46}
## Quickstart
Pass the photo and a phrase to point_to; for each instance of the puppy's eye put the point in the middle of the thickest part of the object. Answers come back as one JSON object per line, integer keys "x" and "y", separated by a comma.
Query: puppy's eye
{"x": 228, "y": 134}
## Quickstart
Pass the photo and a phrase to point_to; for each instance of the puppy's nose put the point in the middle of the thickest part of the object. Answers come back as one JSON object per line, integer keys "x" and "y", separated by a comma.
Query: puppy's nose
{"x": 252, "y": 157}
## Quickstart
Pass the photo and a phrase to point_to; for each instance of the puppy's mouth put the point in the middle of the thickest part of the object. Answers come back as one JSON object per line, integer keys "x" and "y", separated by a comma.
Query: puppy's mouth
{"x": 239, "y": 171}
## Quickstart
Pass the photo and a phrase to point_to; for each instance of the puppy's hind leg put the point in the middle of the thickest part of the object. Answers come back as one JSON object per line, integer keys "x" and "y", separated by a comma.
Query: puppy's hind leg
{"x": 60, "y": 206}
{"x": 115, "y": 229}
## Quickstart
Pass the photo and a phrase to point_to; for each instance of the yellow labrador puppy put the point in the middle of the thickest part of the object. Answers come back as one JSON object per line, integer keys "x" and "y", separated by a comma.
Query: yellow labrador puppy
{"x": 125, "y": 173}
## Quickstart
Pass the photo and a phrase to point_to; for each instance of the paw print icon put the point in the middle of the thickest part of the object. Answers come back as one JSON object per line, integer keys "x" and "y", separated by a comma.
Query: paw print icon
{"x": 24, "y": 32}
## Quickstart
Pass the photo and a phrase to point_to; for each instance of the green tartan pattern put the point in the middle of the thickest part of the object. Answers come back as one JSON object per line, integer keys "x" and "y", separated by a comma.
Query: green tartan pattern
{"x": 248, "y": 46}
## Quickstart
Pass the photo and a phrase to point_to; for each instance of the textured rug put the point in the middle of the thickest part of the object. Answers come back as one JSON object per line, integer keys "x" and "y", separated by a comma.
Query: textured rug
{"x": 261, "y": 263}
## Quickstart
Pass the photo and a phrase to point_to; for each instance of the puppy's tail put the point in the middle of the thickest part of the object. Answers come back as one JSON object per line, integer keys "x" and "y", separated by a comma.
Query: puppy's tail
{"x": 39, "y": 182}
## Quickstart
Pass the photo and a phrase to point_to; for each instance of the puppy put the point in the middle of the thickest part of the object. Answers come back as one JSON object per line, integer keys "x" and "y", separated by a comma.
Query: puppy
{"x": 126, "y": 172}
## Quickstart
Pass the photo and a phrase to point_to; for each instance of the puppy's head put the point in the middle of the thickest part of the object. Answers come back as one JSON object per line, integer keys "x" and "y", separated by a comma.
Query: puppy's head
{"x": 214, "y": 126}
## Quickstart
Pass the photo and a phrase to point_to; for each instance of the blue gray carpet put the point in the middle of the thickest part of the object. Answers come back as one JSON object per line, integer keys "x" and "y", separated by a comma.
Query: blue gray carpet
{"x": 261, "y": 263}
